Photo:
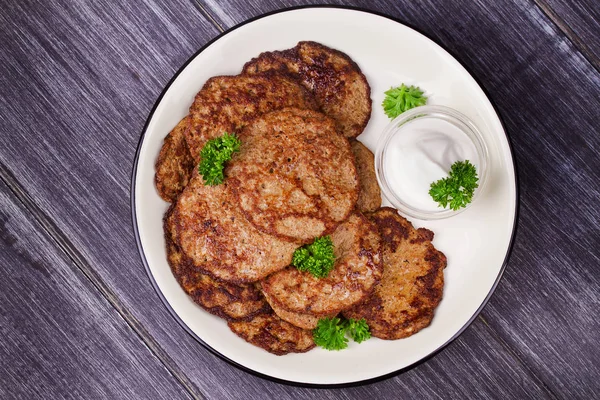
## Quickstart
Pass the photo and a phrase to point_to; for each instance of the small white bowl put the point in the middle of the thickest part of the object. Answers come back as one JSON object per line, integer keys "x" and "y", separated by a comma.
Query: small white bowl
{"x": 397, "y": 127}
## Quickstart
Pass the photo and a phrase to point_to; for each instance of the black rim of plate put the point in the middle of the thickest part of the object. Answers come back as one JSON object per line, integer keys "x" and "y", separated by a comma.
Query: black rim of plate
{"x": 268, "y": 377}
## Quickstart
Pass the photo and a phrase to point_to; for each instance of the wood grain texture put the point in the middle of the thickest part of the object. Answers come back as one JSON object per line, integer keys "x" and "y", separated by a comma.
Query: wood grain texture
{"x": 78, "y": 82}
{"x": 579, "y": 21}
{"x": 60, "y": 337}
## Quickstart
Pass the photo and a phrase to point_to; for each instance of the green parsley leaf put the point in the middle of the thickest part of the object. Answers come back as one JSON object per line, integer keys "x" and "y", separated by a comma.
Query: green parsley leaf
{"x": 359, "y": 330}
{"x": 316, "y": 258}
{"x": 402, "y": 98}
{"x": 458, "y": 188}
{"x": 213, "y": 156}
{"x": 330, "y": 334}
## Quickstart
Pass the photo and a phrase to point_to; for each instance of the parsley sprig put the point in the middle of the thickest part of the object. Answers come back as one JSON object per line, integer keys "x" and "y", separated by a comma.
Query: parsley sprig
{"x": 458, "y": 188}
{"x": 213, "y": 156}
{"x": 402, "y": 98}
{"x": 359, "y": 330}
{"x": 330, "y": 333}
{"x": 316, "y": 258}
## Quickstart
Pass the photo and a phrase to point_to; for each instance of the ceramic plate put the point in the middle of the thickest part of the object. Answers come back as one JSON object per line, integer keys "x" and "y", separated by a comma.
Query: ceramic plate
{"x": 477, "y": 242}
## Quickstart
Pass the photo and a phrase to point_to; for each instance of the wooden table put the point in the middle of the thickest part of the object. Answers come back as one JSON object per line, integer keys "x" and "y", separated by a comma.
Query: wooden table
{"x": 78, "y": 316}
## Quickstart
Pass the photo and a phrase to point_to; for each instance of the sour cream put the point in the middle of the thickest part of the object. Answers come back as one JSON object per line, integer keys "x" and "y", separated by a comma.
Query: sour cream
{"x": 422, "y": 153}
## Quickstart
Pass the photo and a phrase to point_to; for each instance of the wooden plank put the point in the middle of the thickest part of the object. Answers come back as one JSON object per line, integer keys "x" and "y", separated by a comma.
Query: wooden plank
{"x": 60, "y": 337}
{"x": 546, "y": 92}
{"x": 85, "y": 93}
{"x": 579, "y": 21}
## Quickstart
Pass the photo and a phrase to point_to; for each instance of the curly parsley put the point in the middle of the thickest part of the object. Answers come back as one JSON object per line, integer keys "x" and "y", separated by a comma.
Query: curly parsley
{"x": 213, "y": 156}
{"x": 330, "y": 333}
{"x": 359, "y": 330}
{"x": 316, "y": 258}
{"x": 458, "y": 188}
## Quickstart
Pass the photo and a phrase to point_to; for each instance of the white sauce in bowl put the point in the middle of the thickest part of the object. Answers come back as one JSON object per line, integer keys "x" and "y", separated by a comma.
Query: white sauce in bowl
{"x": 423, "y": 153}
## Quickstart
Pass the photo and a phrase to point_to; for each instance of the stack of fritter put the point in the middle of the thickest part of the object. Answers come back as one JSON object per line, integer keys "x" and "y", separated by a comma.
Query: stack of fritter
{"x": 300, "y": 174}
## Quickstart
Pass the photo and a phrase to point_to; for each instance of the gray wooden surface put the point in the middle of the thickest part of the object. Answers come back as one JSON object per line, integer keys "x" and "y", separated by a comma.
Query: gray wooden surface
{"x": 579, "y": 21}
{"x": 59, "y": 338}
{"x": 78, "y": 315}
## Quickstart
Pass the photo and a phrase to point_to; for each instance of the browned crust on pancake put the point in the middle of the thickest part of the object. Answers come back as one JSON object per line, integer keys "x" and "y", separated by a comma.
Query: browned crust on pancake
{"x": 358, "y": 268}
{"x": 228, "y": 103}
{"x": 294, "y": 177}
{"x": 225, "y": 300}
{"x": 215, "y": 235}
{"x": 341, "y": 89}
{"x": 174, "y": 164}
{"x": 273, "y": 334}
{"x": 224, "y": 104}
{"x": 369, "y": 196}
{"x": 301, "y": 320}
{"x": 413, "y": 279}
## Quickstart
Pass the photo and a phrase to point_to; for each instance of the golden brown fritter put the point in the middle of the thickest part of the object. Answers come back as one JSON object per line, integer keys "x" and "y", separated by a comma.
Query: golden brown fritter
{"x": 413, "y": 278}
{"x": 341, "y": 89}
{"x": 174, "y": 164}
{"x": 215, "y": 235}
{"x": 369, "y": 196}
{"x": 294, "y": 176}
{"x": 225, "y": 104}
{"x": 225, "y": 300}
{"x": 273, "y": 334}
{"x": 301, "y": 320}
{"x": 357, "y": 269}
{"x": 228, "y": 103}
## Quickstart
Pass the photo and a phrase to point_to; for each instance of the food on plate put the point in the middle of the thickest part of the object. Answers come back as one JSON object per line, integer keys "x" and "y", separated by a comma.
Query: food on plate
{"x": 214, "y": 155}
{"x": 301, "y": 320}
{"x": 318, "y": 258}
{"x": 357, "y": 270}
{"x": 228, "y": 103}
{"x": 402, "y": 98}
{"x": 266, "y": 227}
{"x": 214, "y": 233}
{"x": 273, "y": 334}
{"x": 225, "y": 104}
{"x": 341, "y": 89}
{"x": 412, "y": 283}
{"x": 418, "y": 149}
{"x": 458, "y": 188}
{"x": 358, "y": 330}
{"x": 369, "y": 195}
{"x": 331, "y": 333}
{"x": 294, "y": 177}
{"x": 174, "y": 164}
{"x": 223, "y": 299}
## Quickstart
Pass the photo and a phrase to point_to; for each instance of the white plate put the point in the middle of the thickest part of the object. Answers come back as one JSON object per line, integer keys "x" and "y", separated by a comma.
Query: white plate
{"x": 476, "y": 242}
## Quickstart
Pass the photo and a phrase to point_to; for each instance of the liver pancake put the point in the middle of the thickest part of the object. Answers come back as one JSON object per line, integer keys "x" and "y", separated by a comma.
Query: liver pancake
{"x": 413, "y": 279}
{"x": 358, "y": 268}
{"x": 294, "y": 176}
